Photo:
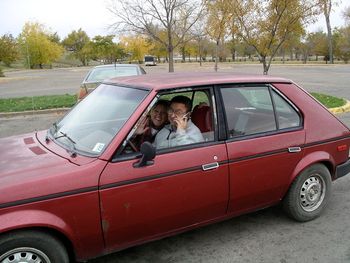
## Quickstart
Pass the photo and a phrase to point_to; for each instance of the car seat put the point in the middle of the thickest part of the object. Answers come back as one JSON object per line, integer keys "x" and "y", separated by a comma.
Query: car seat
{"x": 201, "y": 116}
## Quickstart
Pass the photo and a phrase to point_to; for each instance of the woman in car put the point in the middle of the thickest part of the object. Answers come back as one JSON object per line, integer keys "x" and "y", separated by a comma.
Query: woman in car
{"x": 150, "y": 126}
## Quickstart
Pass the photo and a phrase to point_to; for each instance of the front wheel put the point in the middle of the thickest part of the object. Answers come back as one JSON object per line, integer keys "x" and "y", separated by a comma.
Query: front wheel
{"x": 31, "y": 247}
{"x": 309, "y": 193}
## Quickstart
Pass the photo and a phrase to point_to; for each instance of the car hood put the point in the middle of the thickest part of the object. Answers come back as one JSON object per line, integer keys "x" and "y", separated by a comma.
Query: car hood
{"x": 25, "y": 153}
{"x": 28, "y": 170}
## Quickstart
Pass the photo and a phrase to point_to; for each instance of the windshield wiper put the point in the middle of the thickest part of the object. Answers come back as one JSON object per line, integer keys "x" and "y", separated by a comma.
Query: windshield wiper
{"x": 72, "y": 151}
{"x": 54, "y": 125}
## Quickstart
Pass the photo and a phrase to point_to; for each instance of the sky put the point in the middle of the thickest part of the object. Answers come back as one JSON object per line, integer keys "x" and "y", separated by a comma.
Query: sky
{"x": 64, "y": 16}
{"x": 61, "y": 16}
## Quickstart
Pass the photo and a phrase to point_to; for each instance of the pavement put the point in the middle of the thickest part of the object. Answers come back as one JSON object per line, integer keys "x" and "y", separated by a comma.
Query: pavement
{"x": 322, "y": 78}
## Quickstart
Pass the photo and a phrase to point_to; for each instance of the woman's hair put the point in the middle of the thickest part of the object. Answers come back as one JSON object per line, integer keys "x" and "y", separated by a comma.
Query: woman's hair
{"x": 161, "y": 102}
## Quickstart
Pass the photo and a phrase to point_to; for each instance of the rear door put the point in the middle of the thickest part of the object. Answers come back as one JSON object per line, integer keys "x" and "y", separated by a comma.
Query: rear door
{"x": 265, "y": 138}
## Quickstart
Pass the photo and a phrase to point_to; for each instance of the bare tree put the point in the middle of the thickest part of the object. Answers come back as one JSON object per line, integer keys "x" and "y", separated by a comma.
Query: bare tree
{"x": 198, "y": 31}
{"x": 326, "y": 8}
{"x": 346, "y": 14}
{"x": 151, "y": 17}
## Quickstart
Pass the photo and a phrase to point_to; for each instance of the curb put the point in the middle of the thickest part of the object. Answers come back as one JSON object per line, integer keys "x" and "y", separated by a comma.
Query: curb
{"x": 33, "y": 112}
{"x": 342, "y": 109}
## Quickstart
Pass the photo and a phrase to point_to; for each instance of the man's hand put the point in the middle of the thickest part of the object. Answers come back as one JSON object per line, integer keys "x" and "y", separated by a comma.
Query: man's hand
{"x": 181, "y": 122}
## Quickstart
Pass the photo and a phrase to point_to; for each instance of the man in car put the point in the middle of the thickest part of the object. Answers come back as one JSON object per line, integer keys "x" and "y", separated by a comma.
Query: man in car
{"x": 181, "y": 130}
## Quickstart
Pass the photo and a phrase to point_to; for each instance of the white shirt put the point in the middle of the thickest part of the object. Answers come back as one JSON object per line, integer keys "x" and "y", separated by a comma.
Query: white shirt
{"x": 168, "y": 137}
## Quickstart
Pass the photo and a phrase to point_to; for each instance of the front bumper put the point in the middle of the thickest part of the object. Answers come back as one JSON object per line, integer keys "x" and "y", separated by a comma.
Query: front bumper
{"x": 342, "y": 169}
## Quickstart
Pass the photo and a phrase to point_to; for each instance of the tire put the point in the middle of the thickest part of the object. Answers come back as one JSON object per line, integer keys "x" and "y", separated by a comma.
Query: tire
{"x": 31, "y": 247}
{"x": 309, "y": 193}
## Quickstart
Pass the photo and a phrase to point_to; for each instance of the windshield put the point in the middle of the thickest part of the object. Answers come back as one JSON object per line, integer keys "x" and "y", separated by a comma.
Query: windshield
{"x": 91, "y": 125}
{"x": 149, "y": 59}
{"x": 100, "y": 74}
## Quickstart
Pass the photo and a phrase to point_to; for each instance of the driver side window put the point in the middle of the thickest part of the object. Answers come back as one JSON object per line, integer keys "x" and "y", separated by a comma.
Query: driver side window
{"x": 174, "y": 119}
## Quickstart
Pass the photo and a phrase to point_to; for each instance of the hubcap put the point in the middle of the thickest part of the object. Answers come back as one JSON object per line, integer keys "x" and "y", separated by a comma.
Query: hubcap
{"x": 24, "y": 255}
{"x": 312, "y": 193}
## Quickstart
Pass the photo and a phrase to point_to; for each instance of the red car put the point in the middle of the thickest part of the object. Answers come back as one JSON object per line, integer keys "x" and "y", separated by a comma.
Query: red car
{"x": 83, "y": 188}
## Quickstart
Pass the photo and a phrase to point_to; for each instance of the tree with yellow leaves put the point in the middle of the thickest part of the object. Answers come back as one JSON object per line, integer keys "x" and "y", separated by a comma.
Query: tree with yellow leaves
{"x": 266, "y": 25}
{"x": 137, "y": 46}
{"x": 37, "y": 47}
{"x": 219, "y": 20}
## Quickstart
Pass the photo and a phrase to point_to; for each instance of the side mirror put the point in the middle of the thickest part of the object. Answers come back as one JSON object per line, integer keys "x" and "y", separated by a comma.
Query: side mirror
{"x": 148, "y": 152}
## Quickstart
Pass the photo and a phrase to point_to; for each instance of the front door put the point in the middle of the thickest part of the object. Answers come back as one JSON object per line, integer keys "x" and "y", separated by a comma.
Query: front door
{"x": 186, "y": 185}
{"x": 171, "y": 194}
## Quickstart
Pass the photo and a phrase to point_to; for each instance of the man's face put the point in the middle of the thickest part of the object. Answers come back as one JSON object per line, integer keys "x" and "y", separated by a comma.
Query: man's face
{"x": 159, "y": 116}
{"x": 176, "y": 110}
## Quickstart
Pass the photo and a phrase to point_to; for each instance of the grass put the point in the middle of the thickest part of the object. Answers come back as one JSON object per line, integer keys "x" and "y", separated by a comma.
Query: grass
{"x": 329, "y": 101}
{"x": 67, "y": 101}
{"x": 37, "y": 103}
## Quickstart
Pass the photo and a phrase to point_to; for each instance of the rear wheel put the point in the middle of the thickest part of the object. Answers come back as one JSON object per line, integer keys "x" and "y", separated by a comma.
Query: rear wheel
{"x": 309, "y": 193}
{"x": 31, "y": 247}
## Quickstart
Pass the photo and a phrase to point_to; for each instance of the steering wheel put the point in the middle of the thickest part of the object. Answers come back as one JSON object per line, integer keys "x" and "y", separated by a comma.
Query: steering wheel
{"x": 132, "y": 145}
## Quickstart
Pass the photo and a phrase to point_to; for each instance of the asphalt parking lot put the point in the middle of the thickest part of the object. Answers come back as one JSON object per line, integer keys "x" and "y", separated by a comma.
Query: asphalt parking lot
{"x": 329, "y": 79}
{"x": 264, "y": 236}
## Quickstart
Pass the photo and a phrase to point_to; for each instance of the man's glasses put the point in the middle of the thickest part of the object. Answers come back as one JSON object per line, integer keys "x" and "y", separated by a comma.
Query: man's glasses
{"x": 176, "y": 112}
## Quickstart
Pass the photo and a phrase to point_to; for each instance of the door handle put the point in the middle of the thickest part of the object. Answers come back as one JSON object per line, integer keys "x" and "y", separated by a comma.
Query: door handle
{"x": 294, "y": 149}
{"x": 210, "y": 166}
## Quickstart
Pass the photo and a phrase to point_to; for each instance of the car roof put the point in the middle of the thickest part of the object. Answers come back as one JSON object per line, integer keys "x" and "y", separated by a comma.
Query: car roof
{"x": 116, "y": 65}
{"x": 178, "y": 80}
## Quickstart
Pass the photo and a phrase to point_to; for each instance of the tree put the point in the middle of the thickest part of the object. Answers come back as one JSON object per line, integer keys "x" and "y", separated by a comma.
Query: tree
{"x": 219, "y": 19}
{"x": 318, "y": 43}
{"x": 150, "y": 17}
{"x": 326, "y": 9}
{"x": 266, "y": 25}
{"x": 77, "y": 42}
{"x": 199, "y": 32}
{"x": 137, "y": 46}
{"x": 55, "y": 38}
{"x": 305, "y": 49}
{"x": 104, "y": 49}
{"x": 232, "y": 45}
{"x": 37, "y": 47}
{"x": 346, "y": 14}
{"x": 342, "y": 40}
{"x": 158, "y": 49}
{"x": 9, "y": 51}
{"x": 289, "y": 46}
{"x": 192, "y": 50}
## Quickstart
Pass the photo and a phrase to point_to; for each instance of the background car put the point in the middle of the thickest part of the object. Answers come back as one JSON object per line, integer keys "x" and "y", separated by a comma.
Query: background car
{"x": 100, "y": 73}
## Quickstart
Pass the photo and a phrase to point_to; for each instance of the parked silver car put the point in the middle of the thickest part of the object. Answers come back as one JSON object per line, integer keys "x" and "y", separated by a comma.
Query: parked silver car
{"x": 100, "y": 73}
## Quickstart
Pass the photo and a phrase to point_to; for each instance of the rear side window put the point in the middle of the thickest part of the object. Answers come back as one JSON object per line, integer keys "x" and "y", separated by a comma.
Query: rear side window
{"x": 258, "y": 109}
{"x": 287, "y": 116}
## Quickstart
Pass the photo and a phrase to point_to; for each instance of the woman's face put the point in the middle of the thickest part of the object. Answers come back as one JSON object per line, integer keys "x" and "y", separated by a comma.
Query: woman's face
{"x": 159, "y": 116}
